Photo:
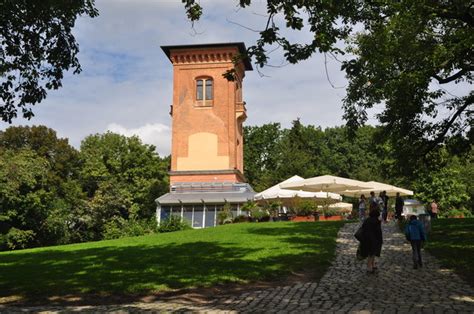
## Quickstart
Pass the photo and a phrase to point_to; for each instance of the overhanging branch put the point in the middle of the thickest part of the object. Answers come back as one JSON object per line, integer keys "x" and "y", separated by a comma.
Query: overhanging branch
{"x": 469, "y": 101}
{"x": 452, "y": 77}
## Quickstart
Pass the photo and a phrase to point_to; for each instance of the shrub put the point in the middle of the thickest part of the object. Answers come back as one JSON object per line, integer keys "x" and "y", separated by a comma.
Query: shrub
{"x": 241, "y": 218}
{"x": 273, "y": 208}
{"x": 173, "y": 223}
{"x": 224, "y": 216}
{"x": 118, "y": 227}
{"x": 328, "y": 212}
{"x": 256, "y": 212}
{"x": 304, "y": 208}
{"x": 259, "y": 214}
{"x": 17, "y": 239}
{"x": 462, "y": 212}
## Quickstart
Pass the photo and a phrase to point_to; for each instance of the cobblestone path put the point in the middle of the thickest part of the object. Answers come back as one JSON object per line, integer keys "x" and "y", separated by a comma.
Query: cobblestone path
{"x": 396, "y": 288}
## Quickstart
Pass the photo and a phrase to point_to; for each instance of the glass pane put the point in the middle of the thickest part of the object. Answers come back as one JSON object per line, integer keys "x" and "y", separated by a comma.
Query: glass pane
{"x": 208, "y": 89}
{"x": 198, "y": 216}
{"x": 210, "y": 216}
{"x": 188, "y": 214}
{"x": 233, "y": 208}
{"x": 165, "y": 212}
{"x": 199, "y": 89}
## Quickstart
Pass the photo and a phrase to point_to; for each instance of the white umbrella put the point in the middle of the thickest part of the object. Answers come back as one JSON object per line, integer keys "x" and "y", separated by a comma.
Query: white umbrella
{"x": 326, "y": 183}
{"x": 276, "y": 193}
{"x": 341, "y": 205}
{"x": 377, "y": 188}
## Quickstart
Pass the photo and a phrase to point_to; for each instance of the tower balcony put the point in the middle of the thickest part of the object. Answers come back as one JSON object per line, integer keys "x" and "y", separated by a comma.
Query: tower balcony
{"x": 240, "y": 111}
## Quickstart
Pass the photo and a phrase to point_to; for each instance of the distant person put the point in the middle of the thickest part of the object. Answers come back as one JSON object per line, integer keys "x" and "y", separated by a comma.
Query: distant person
{"x": 371, "y": 243}
{"x": 415, "y": 233}
{"x": 399, "y": 203}
{"x": 373, "y": 202}
{"x": 385, "y": 206}
{"x": 362, "y": 207}
{"x": 434, "y": 209}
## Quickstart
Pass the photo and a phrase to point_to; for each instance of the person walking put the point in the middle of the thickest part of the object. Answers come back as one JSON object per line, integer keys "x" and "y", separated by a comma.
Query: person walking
{"x": 415, "y": 233}
{"x": 371, "y": 242}
{"x": 385, "y": 206}
{"x": 373, "y": 203}
{"x": 362, "y": 208}
{"x": 399, "y": 203}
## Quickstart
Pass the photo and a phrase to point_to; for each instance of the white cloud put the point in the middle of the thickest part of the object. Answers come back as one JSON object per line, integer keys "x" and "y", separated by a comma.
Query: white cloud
{"x": 156, "y": 134}
{"x": 127, "y": 80}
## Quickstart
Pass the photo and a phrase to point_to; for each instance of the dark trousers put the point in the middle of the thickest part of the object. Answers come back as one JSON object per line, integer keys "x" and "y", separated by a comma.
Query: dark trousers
{"x": 398, "y": 214}
{"x": 416, "y": 251}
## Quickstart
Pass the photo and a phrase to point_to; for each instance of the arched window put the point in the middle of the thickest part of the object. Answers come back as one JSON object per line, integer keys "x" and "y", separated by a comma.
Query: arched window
{"x": 204, "y": 89}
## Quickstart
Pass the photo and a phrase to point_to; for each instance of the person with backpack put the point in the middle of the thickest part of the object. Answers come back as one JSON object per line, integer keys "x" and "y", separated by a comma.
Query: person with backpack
{"x": 415, "y": 233}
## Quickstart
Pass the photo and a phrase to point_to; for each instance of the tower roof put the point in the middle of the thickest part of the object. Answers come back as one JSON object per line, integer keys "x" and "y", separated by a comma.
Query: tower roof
{"x": 239, "y": 45}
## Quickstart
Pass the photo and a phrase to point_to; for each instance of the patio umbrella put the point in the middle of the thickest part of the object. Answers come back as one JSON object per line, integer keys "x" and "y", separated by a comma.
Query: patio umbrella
{"x": 377, "y": 188}
{"x": 326, "y": 183}
{"x": 276, "y": 193}
{"x": 341, "y": 206}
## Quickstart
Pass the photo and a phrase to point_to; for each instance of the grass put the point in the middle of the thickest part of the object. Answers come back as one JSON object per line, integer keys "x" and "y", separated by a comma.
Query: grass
{"x": 451, "y": 241}
{"x": 238, "y": 253}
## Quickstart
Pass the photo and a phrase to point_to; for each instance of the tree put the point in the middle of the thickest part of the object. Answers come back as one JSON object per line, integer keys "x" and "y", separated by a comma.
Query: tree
{"x": 36, "y": 47}
{"x": 24, "y": 199}
{"x": 300, "y": 152}
{"x": 62, "y": 157}
{"x": 122, "y": 178}
{"x": 44, "y": 197}
{"x": 407, "y": 50}
{"x": 360, "y": 157}
{"x": 261, "y": 154}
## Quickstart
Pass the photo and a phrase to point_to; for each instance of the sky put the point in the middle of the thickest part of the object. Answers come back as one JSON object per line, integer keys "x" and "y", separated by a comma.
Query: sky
{"x": 126, "y": 82}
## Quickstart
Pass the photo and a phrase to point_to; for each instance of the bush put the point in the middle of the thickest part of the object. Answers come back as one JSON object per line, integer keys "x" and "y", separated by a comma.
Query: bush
{"x": 241, "y": 218}
{"x": 273, "y": 208}
{"x": 256, "y": 213}
{"x": 224, "y": 216}
{"x": 304, "y": 208}
{"x": 462, "y": 212}
{"x": 119, "y": 227}
{"x": 259, "y": 214}
{"x": 328, "y": 212}
{"x": 173, "y": 223}
{"x": 17, "y": 239}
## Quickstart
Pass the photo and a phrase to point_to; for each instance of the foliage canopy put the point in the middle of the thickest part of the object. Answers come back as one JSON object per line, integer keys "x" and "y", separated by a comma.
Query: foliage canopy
{"x": 36, "y": 47}
{"x": 404, "y": 55}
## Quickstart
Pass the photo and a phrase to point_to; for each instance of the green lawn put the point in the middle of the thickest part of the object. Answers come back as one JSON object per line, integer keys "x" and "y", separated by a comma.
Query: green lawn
{"x": 452, "y": 242}
{"x": 186, "y": 259}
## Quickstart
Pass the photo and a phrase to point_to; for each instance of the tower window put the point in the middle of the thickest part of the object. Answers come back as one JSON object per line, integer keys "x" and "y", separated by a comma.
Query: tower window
{"x": 199, "y": 91}
{"x": 208, "y": 93}
{"x": 204, "y": 89}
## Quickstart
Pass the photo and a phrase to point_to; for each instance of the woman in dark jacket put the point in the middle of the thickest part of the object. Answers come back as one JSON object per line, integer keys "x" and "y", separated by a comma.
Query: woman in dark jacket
{"x": 371, "y": 243}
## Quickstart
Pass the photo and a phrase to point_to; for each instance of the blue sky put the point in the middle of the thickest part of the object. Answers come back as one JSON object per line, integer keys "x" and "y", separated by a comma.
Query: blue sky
{"x": 126, "y": 82}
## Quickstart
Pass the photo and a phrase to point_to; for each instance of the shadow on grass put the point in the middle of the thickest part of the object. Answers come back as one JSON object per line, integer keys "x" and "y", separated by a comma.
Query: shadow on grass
{"x": 141, "y": 269}
{"x": 317, "y": 240}
{"x": 452, "y": 242}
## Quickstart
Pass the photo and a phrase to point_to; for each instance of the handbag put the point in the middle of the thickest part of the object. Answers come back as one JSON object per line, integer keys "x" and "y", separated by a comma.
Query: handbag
{"x": 359, "y": 255}
{"x": 359, "y": 234}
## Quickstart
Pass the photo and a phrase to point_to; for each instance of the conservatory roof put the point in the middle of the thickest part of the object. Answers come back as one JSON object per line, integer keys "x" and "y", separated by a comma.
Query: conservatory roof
{"x": 207, "y": 193}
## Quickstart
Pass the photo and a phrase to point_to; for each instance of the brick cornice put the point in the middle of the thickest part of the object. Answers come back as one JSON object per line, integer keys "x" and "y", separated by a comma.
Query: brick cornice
{"x": 196, "y": 57}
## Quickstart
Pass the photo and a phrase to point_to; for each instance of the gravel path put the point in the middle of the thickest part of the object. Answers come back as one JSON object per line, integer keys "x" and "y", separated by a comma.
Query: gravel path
{"x": 396, "y": 288}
